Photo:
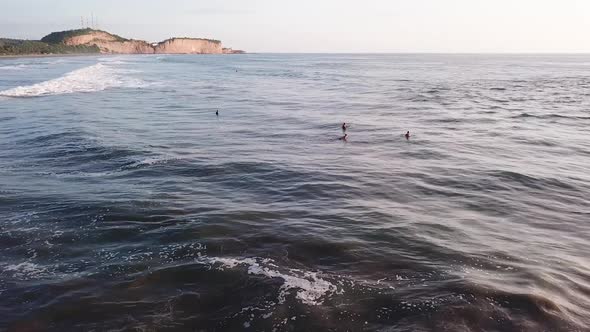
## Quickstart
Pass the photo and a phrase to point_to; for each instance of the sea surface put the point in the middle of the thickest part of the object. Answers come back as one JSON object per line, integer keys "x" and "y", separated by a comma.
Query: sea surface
{"x": 127, "y": 204}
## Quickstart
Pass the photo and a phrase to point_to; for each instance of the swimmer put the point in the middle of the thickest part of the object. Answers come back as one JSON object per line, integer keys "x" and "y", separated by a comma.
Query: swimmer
{"x": 343, "y": 138}
{"x": 344, "y": 126}
{"x": 407, "y": 135}
{"x": 217, "y": 112}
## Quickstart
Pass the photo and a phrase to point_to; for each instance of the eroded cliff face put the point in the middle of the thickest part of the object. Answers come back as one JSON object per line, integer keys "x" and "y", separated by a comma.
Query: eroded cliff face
{"x": 108, "y": 43}
{"x": 90, "y": 37}
{"x": 189, "y": 46}
{"x": 126, "y": 47}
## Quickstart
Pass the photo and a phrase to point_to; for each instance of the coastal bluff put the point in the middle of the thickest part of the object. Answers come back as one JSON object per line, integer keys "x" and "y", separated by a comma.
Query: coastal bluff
{"x": 189, "y": 46}
{"x": 113, "y": 44}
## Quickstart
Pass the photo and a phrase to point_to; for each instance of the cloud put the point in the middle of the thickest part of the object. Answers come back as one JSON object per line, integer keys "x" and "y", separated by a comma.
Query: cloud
{"x": 218, "y": 11}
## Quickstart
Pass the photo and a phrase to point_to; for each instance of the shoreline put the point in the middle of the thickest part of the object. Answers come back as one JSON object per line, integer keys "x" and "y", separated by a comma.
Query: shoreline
{"x": 48, "y": 55}
{"x": 103, "y": 54}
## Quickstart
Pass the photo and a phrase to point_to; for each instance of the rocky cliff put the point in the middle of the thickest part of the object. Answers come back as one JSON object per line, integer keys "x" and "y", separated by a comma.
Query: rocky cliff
{"x": 109, "y": 43}
{"x": 232, "y": 51}
{"x": 189, "y": 46}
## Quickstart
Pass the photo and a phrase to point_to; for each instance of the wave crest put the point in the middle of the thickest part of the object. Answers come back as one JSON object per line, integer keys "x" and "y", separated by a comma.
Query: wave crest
{"x": 94, "y": 78}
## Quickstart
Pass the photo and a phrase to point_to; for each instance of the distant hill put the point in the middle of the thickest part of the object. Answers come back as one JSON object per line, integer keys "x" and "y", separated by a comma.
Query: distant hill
{"x": 63, "y": 36}
{"x": 98, "y": 41}
{"x": 32, "y": 47}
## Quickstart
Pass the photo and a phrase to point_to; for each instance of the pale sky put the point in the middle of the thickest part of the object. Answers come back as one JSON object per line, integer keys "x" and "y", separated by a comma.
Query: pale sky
{"x": 323, "y": 25}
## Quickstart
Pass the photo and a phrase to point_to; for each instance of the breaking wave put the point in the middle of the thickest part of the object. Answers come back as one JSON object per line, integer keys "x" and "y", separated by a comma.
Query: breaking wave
{"x": 94, "y": 78}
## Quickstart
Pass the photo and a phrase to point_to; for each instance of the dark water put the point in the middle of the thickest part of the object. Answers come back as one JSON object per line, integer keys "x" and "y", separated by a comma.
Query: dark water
{"x": 126, "y": 204}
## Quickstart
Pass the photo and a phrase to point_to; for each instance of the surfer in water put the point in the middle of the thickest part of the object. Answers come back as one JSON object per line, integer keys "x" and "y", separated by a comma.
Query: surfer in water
{"x": 217, "y": 113}
{"x": 344, "y": 126}
{"x": 407, "y": 135}
{"x": 343, "y": 138}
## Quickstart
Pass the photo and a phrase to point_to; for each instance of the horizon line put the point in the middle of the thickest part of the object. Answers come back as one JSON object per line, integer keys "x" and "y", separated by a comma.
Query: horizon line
{"x": 439, "y": 52}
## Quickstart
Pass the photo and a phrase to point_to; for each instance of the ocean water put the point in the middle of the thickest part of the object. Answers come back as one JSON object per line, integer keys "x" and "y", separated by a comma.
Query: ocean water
{"x": 127, "y": 204}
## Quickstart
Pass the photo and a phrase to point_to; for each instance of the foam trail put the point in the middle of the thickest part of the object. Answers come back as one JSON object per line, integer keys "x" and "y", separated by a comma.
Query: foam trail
{"x": 26, "y": 270}
{"x": 311, "y": 289}
{"x": 14, "y": 67}
{"x": 97, "y": 77}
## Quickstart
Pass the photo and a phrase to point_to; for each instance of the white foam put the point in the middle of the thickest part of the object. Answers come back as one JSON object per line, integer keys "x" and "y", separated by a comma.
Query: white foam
{"x": 26, "y": 270}
{"x": 150, "y": 161}
{"x": 15, "y": 67}
{"x": 97, "y": 77}
{"x": 311, "y": 289}
{"x": 154, "y": 161}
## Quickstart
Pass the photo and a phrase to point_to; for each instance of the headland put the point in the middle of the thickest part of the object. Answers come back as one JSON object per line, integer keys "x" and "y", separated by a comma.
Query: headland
{"x": 92, "y": 41}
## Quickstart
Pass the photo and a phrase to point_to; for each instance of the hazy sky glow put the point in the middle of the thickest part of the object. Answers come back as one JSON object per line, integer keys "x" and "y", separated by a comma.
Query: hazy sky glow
{"x": 323, "y": 25}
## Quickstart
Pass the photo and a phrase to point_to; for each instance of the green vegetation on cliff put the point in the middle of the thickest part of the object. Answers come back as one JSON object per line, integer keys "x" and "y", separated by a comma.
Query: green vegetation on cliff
{"x": 26, "y": 47}
{"x": 60, "y": 36}
{"x": 215, "y": 41}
